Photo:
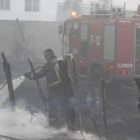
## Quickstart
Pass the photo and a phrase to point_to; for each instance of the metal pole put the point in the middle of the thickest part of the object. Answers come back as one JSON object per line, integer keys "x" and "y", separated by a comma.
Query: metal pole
{"x": 104, "y": 109}
{"x": 7, "y": 70}
{"x": 81, "y": 122}
{"x": 76, "y": 83}
{"x": 74, "y": 72}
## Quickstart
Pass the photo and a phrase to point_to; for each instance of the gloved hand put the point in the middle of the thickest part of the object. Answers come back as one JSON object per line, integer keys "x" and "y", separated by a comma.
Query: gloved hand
{"x": 28, "y": 75}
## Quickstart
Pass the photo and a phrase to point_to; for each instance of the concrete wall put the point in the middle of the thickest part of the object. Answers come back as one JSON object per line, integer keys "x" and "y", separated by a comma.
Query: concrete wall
{"x": 47, "y": 11}
{"x": 39, "y": 35}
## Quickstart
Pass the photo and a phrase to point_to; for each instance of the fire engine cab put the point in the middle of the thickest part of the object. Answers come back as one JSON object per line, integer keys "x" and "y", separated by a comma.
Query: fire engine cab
{"x": 104, "y": 43}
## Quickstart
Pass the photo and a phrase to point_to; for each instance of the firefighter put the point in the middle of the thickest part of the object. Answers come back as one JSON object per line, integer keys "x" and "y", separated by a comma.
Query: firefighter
{"x": 58, "y": 85}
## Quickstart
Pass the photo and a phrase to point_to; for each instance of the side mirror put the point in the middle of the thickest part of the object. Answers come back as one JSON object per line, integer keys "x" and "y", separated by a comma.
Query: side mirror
{"x": 60, "y": 29}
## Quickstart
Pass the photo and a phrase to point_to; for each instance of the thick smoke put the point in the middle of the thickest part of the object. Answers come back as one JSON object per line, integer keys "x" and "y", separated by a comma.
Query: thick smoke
{"x": 21, "y": 123}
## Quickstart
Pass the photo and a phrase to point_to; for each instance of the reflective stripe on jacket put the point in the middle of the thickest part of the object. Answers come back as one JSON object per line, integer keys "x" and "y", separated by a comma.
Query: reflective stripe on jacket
{"x": 53, "y": 77}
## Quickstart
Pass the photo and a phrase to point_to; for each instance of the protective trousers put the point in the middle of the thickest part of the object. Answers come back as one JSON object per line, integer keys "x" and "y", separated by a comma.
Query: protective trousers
{"x": 59, "y": 102}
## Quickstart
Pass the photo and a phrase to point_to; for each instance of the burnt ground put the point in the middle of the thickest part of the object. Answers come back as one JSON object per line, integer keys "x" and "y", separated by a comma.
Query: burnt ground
{"x": 121, "y": 126}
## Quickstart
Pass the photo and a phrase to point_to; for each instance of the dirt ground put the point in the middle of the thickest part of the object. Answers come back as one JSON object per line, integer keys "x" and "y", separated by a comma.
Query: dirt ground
{"x": 122, "y": 112}
{"x": 120, "y": 125}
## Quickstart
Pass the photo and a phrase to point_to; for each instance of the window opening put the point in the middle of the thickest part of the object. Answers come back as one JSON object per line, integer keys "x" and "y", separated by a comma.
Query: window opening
{"x": 32, "y": 5}
{"x": 75, "y": 29}
{"x": 84, "y": 40}
{"x": 67, "y": 31}
{"x": 4, "y": 4}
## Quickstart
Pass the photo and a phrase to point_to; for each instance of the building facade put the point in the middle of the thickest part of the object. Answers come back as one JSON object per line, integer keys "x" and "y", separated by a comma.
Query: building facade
{"x": 34, "y": 10}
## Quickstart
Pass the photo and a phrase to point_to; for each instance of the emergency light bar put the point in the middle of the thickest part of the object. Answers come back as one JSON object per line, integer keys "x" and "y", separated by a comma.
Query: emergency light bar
{"x": 73, "y": 14}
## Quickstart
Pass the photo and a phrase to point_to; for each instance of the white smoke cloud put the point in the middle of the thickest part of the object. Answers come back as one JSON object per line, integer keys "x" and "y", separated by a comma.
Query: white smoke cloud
{"x": 18, "y": 124}
{"x": 21, "y": 124}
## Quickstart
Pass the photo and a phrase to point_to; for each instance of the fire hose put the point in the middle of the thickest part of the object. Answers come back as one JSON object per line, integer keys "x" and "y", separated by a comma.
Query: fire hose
{"x": 39, "y": 88}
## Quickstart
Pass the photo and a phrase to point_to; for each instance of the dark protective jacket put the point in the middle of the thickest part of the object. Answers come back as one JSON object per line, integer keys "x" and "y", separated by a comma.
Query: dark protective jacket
{"x": 56, "y": 74}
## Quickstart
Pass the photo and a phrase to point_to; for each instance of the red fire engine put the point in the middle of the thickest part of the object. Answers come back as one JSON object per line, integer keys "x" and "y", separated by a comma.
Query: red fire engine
{"x": 104, "y": 43}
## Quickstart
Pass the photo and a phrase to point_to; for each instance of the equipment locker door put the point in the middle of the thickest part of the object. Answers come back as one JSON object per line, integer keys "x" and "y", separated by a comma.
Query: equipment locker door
{"x": 109, "y": 42}
{"x": 83, "y": 40}
{"x": 137, "y": 49}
